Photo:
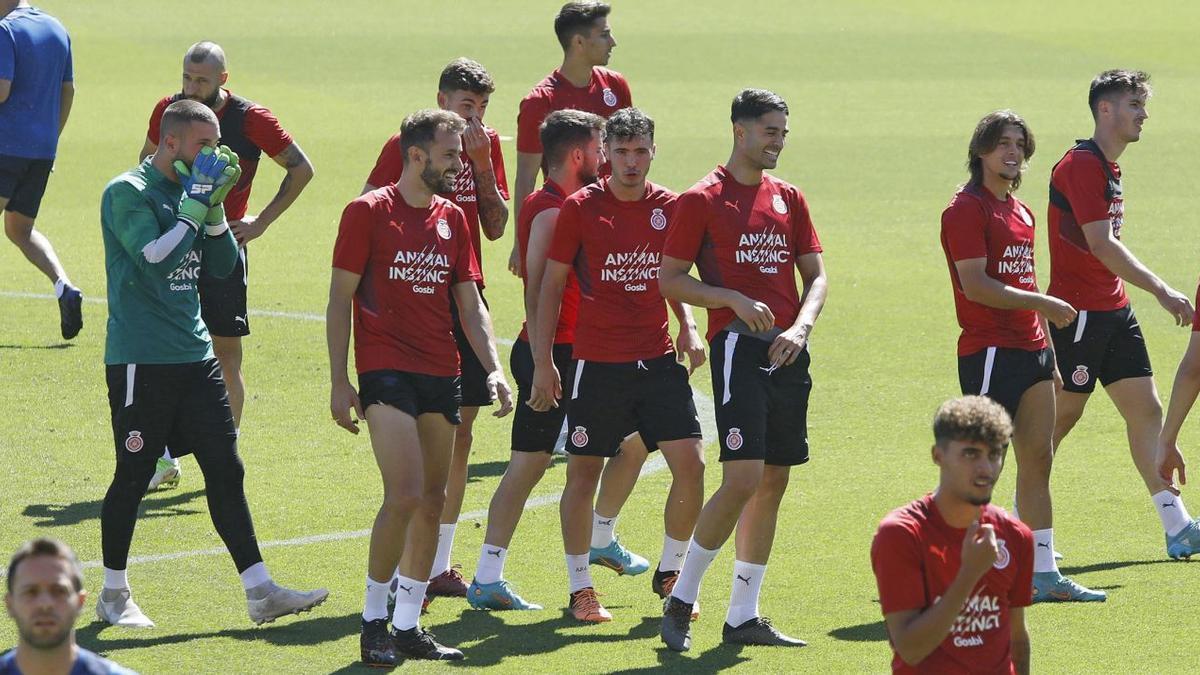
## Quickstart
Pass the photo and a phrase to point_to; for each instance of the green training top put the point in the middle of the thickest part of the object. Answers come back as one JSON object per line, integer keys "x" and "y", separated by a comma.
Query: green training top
{"x": 153, "y": 263}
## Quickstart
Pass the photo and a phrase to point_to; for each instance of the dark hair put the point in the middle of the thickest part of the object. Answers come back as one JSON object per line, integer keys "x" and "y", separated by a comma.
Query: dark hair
{"x": 754, "y": 103}
{"x": 1113, "y": 83}
{"x": 182, "y": 113}
{"x": 421, "y": 127}
{"x": 563, "y": 131}
{"x": 205, "y": 51}
{"x": 987, "y": 136}
{"x": 463, "y": 74}
{"x": 577, "y": 18}
{"x": 46, "y": 546}
{"x": 972, "y": 419}
{"x": 628, "y": 123}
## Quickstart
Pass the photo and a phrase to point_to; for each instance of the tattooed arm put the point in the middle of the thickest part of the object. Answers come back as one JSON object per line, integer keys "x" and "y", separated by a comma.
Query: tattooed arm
{"x": 299, "y": 173}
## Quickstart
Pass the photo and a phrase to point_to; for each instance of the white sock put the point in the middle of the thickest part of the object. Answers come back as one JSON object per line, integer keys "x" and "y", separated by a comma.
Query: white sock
{"x": 674, "y": 551}
{"x": 116, "y": 579}
{"x": 491, "y": 564}
{"x": 166, "y": 453}
{"x": 687, "y": 586}
{"x": 602, "y": 529}
{"x": 255, "y": 575}
{"x": 409, "y": 595}
{"x": 375, "y": 606}
{"x": 1043, "y": 551}
{"x": 579, "y": 572}
{"x": 441, "y": 559}
{"x": 60, "y": 285}
{"x": 743, "y": 598}
{"x": 1172, "y": 512}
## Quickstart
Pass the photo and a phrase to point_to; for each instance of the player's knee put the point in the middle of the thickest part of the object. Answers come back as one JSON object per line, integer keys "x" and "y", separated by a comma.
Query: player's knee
{"x": 774, "y": 484}
{"x": 399, "y": 505}
{"x": 18, "y": 231}
{"x": 689, "y": 471}
{"x": 463, "y": 438}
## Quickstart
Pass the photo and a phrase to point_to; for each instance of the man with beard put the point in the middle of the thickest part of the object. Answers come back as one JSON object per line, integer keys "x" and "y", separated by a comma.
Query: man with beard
{"x": 403, "y": 254}
{"x": 955, "y": 573}
{"x": 250, "y": 130}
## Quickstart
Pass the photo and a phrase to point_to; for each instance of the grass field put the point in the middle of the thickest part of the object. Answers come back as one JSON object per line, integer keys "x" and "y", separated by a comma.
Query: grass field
{"x": 883, "y": 96}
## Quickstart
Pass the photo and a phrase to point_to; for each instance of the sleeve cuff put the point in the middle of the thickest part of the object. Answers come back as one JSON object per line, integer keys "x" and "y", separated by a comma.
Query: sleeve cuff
{"x": 216, "y": 230}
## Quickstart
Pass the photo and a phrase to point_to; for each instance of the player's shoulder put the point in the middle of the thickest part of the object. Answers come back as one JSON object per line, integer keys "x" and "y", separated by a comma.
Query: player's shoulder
{"x": 379, "y": 198}
{"x": 544, "y": 89}
{"x": 165, "y": 101}
{"x": 131, "y": 182}
{"x": 967, "y": 202}
{"x": 587, "y": 193}
{"x": 608, "y": 75}
{"x": 660, "y": 194}
{"x": 91, "y": 663}
{"x": 909, "y": 518}
{"x": 444, "y": 206}
{"x": 706, "y": 187}
{"x": 1078, "y": 158}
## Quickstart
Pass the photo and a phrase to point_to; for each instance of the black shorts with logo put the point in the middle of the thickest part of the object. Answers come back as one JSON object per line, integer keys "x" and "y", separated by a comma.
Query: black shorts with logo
{"x": 534, "y": 431}
{"x": 412, "y": 393}
{"x": 223, "y": 301}
{"x": 611, "y": 400}
{"x": 1105, "y": 346}
{"x": 1003, "y": 374}
{"x": 474, "y": 376}
{"x": 181, "y": 405}
{"x": 23, "y": 183}
{"x": 762, "y": 412}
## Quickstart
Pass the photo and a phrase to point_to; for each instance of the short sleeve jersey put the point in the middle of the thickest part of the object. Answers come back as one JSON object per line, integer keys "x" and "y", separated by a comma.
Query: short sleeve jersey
{"x": 615, "y": 248}
{"x": 248, "y": 129}
{"x": 746, "y": 238}
{"x": 606, "y": 93}
{"x": 390, "y": 165}
{"x": 549, "y": 197}
{"x": 1077, "y": 276}
{"x": 409, "y": 258}
{"x": 977, "y": 225}
{"x": 916, "y": 556}
{"x": 35, "y": 56}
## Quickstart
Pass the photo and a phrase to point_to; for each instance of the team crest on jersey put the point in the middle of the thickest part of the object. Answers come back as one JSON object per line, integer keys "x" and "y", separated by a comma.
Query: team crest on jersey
{"x": 443, "y": 228}
{"x": 734, "y": 440}
{"x": 779, "y": 205}
{"x": 610, "y": 99}
{"x": 1080, "y": 377}
{"x": 1002, "y": 555}
{"x": 135, "y": 442}
{"x": 579, "y": 437}
{"x": 658, "y": 220}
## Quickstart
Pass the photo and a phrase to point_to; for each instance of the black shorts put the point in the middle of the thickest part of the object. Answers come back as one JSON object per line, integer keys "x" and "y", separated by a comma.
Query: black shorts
{"x": 412, "y": 393}
{"x": 223, "y": 301}
{"x": 611, "y": 400}
{"x": 534, "y": 431}
{"x": 762, "y": 413}
{"x": 474, "y": 376}
{"x": 1003, "y": 374}
{"x": 184, "y": 406}
{"x": 1105, "y": 346}
{"x": 23, "y": 183}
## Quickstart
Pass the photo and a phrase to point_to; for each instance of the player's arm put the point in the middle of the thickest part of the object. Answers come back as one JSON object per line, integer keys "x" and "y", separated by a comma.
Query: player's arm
{"x": 675, "y": 283}
{"x": 5, "y": 89}
{"x": 1121, "y": 262}
{"x": 155, "y": 253}
{"x": 493, "y": 212}
{"x": 477, "y": 326}
{"x": 786, "y": 347}
{"x": 299, "y": 173}
{"x": 986, "y": 290}
{"x": 541, "y": 232}
{"x": 219, "y": 251}
{"x": 64, "y": 107}
{"x": 688, "y": 342}
{"x": 547, "y": 385}
{"x": 1183, "y": 396}
{"x": 342, "y": 396}
{"x": 528, "y": 166}
{"x": 1019, "y": 640}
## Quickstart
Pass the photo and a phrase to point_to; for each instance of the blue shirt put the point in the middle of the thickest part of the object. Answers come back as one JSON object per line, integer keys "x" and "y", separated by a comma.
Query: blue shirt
{"x": 35, "y": 55}
{"x": 87, "y": 663}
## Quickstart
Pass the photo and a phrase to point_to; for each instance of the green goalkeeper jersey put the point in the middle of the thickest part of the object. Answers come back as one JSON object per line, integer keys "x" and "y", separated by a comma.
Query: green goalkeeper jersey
{"x": 153, "y": 263}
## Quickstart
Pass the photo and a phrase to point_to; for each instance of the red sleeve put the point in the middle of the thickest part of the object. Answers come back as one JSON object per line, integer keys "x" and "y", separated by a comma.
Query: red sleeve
{"x": 962, "y": 227}
{"x": 466, "y": 263}
{"x": 498, "y": 166}
{"x": 625, "y": 96}
{"x": 568, "y": 233}
{"x": 390, "y": 164}
{"x": 353, "y": 246}
{"x": 806, "y": 240}
{"x": 264, "y": 130}
{"x": 154, "y": 130}
{"x": 896, "y": 559}
{"x": 687, "y": 226}
{"x": 1083, "y": 181}
{"x": 1021, "y": 594}
{"x": 1196, "y": 318}
{"x": 533, "y": 111}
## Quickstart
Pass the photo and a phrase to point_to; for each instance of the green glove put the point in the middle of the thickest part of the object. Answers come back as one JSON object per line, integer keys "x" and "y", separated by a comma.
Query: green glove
{"x": 209, "y": 172}
{"x": 216, "y": 213}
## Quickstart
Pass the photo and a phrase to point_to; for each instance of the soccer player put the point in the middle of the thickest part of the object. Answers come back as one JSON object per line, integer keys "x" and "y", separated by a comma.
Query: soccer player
{"x": 37, "y": 86}
{"x": 250, "y": 130}
{"x": 748, "y": 233}
{"x": 1089, "y": 266}
{"x": 402, "y": 252}
{"x": 954, "y": 573}
{"x": 627, "y": 374}
{"x": 164, "y": 225}
{"x": 1003, "y": 353}
{"x": 581, "y": 82}
{"x": 480, "y": 191}
{"x": 45, "y": 597}
{"x": 573, "y": 151}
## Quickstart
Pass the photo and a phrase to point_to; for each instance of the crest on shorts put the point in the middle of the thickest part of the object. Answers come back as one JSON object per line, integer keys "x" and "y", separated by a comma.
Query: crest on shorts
{"x": 779, "y": 205}
{"x": 135, "y": 442}
{"x": 734, "y": 440}
{"x": 443, "y": 228}
{"x": 1002, "y": 555}
{"x": 610, "y": 99}
{"x": 658, "y": 220}
{"x": 1080, "y": 377}
{"x": 579, "y": 437}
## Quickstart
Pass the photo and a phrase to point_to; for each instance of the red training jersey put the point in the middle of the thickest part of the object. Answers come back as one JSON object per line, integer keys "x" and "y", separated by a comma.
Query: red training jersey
{"x": 746, "y": 238}
{"x": 408, "y": 258}
{"x": 1076, "y": 275}
{"x": 606, "y": 93}
{"x": 549, "y": 197}
{"x": 616, "y": 250}
{"x": 916, "y": 556}
{"x": 978, "y": 225}
{"x": 248, "y": 129}
{"x": 1196, "y": 317}
{"x": 390, "y": 165}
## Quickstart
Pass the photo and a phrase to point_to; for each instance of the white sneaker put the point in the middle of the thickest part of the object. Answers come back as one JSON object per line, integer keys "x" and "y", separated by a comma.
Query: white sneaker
{"x": 121, "y": 610}
{"x": 166, "y": 473}
{"x": 277, "y": 601}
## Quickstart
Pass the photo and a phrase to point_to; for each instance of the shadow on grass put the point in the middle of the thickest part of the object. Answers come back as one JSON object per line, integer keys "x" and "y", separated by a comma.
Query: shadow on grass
{"x": 61, "y": 345}
{"x": 153, "y": 506}
{"x": 486, "y": 470}
{"x": 1114, "y": 565}
{"x": 863, "y": 632}
{"x": 301, "y": 632}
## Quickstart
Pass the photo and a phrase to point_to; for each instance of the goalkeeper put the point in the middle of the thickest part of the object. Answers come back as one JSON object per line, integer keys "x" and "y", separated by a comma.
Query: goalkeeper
{"x": 162, "y": 223}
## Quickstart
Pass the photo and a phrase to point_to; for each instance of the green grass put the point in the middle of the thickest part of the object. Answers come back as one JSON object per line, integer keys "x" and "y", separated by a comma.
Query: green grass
{"x": 884, "y": 96}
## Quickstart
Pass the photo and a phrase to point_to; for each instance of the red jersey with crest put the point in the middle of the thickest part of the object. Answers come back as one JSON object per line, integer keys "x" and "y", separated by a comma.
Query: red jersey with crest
{"x": 746, "y": 238}
{"x": 916, "y": 556}
{"x": 616, "y": 250}
{"x": 606, "y": 93}
{"x": 549, "y": 197}
{"x": 1077, "y": 276}
{"x": 977, "y": 225}
{"x": 409, "y": 258}
{"x": 390, "y": 165}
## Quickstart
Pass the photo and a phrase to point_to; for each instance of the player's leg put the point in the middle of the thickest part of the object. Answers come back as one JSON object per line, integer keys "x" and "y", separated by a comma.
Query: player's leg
{"x": 444, "y": 580}
{"x": 33, "y": 245}
{"x": 616, "y": 484}
{"x": 223, "y": 306}
{"x": 228, "y": 350}
{"x": 685, "y": 458}
{"x": 1079, "y": 350}
{"x": 575, "y": 512}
